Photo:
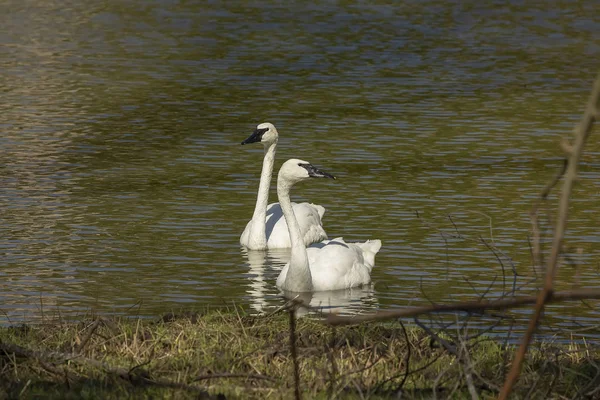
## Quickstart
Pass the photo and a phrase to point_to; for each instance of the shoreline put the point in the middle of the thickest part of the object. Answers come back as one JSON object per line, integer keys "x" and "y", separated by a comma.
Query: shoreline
{"x": 228, "y": 354}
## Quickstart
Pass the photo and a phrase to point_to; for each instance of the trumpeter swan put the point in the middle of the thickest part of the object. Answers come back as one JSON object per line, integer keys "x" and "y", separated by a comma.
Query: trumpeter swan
{"x": 267, "y": 229}
{"x": 329, "y": 265}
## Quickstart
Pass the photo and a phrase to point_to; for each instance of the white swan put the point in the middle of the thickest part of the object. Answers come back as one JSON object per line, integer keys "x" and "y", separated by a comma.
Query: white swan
{"x": 267, "y": 229}
{"x": 329, "y": 265}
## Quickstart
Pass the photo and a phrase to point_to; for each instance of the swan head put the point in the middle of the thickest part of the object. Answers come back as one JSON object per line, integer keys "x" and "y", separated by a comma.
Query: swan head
{"x": 264, "y": 133}
{"x": 295, "y": 170}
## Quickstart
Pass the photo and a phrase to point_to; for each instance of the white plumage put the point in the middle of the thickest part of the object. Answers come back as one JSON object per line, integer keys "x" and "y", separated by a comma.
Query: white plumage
{"x": 268, "y": 229}
{"x": 329, "y": 265}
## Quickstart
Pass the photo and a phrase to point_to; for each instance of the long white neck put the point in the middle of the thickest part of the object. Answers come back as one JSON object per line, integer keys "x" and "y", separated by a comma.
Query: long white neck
{"x": 262, "y": 199}
{"x": 298, "y": 278}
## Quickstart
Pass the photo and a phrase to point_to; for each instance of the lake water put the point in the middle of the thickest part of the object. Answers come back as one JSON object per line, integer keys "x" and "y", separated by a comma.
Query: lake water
{"x": 124, "y": 188}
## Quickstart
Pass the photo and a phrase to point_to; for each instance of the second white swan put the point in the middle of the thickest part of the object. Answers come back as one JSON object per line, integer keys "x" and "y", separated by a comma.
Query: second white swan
{"x": 329, "y": 265}
{"x": 267, "y": 229}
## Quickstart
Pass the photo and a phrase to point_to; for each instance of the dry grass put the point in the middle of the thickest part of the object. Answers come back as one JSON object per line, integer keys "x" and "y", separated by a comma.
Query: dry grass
{"x": 228, "y": 354}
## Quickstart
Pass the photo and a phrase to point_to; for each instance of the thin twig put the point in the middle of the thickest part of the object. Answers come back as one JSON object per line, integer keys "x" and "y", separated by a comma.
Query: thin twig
{"x": 88, "y": 335}
{"x": 421, "y": 368}
{"x": 407, "y": 360}
{"x": 538, "y": 255}
{"x": 293, "y": 352}
{"x": 499, "y": 261}
{"x": 331, "y": 353}
{"x": 465, "y": 362}
{"x": 227, "y": 375}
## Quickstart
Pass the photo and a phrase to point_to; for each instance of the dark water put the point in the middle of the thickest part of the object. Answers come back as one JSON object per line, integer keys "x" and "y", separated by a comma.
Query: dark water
{"x": 123, "y": 187}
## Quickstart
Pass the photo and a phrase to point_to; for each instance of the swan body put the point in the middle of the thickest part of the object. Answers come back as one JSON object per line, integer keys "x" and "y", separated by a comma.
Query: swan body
{"x": 328, "y": 265}
{"x": 268, "y": 228}
{"x": 337, "y": 265}
{"x": 276, "y": 229}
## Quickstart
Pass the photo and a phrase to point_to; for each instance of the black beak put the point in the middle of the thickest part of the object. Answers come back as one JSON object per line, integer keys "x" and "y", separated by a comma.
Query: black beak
{"x": 316, "y": 173}
{"x": 256, "y": 136}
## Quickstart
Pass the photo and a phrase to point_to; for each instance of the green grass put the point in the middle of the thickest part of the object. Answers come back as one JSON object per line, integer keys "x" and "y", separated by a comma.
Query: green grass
{"x": 228, "y": 354}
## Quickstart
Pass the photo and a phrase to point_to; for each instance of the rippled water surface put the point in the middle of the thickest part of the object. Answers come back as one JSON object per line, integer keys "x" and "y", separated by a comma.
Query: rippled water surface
{"x": 124, "y": 188}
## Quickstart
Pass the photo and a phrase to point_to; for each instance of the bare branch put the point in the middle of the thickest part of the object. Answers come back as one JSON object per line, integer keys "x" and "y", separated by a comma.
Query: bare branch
{"x": 228, "y": 375}
{"x": 582, "y": 132}
{"x": 538, "y": 257}
{"x": 293, "y": 351}
{"x": 88, "y": 335}
{"x": 407, "y": 360}
{"x": 473, "y": 306}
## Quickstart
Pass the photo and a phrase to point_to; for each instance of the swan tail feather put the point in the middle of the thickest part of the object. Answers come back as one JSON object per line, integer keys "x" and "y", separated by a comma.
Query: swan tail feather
{"x": 320, "y": 210}
{"x": 370, "y": 249}
{"x": 372, "y": 245}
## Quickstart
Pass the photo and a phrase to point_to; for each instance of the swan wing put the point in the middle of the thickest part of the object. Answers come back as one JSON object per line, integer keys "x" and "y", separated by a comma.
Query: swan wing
{"x": 369, "y": 249}
{"x": 338, "y": 265}
{"x": 309, "y": 219}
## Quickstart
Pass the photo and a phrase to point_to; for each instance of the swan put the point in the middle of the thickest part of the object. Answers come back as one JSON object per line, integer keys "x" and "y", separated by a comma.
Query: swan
{"x": 328, "y": 265}
{"x": 267, "y": 229}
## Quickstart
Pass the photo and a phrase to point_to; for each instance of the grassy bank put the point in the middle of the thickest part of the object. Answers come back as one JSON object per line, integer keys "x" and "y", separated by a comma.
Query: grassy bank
{"x": 227, "y": 354}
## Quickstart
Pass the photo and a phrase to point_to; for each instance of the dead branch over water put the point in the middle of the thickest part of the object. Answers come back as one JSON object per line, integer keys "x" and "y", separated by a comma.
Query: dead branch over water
{"x": 467, "y": 306}
{"x": 573, "y": 154}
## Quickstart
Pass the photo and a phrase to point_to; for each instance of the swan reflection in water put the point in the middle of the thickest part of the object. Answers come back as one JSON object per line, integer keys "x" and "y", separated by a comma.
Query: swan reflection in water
{"x": 265, "y": 266}
{"x": 347, "y": 301}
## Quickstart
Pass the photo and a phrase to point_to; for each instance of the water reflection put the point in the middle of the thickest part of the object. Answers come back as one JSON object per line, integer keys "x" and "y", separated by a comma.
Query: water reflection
{"x": 345, "y": 301}
{"x": 265, "y": 266}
